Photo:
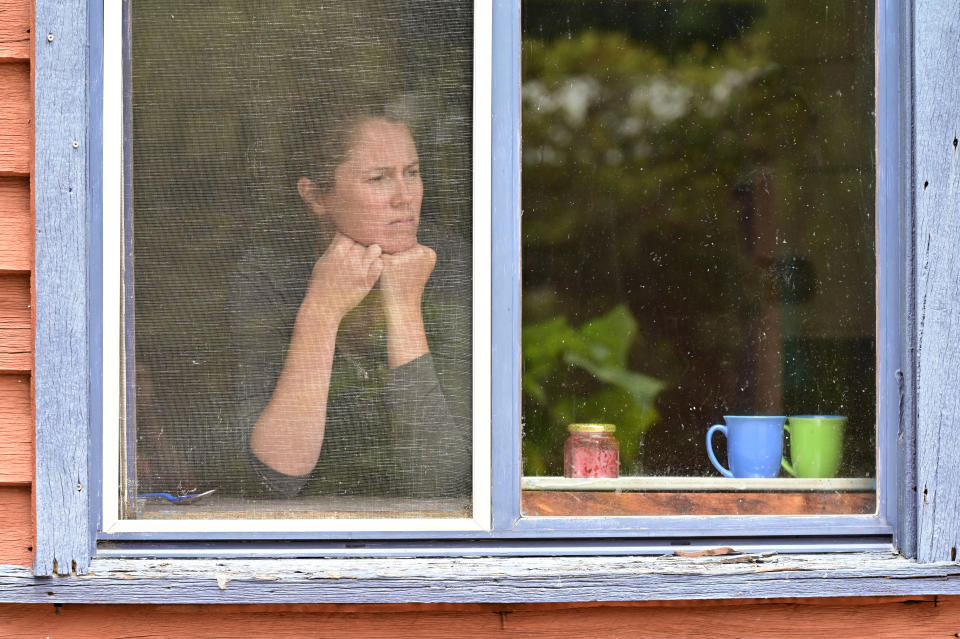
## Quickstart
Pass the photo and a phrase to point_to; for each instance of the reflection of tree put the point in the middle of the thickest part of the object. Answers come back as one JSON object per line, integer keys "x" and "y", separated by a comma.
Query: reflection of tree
{"x": 667, "y": 183}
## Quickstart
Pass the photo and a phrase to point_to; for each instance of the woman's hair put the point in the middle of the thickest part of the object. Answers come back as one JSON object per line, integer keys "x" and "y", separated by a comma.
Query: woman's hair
{"x": 326, "y": 132}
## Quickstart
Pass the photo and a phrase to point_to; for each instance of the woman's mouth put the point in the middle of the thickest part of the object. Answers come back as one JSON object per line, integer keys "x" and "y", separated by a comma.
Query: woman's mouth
{"x": 405, "y": 223}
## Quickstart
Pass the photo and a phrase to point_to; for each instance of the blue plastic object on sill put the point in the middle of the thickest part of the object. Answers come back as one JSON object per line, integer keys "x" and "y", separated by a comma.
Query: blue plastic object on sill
{"x": 176, "y": 498}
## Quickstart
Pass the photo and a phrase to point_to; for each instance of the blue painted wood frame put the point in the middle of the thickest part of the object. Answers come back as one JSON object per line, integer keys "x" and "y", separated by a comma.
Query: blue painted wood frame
{"x": 936, "y": 191}
{"x": 67, "y": 366}
{"x": 95, "y": 261}
{"x": 891, "y": 203}
{"x": 505, "y": 279}
{"x": 894, "y": 192}
{"x": 62, "y": 377}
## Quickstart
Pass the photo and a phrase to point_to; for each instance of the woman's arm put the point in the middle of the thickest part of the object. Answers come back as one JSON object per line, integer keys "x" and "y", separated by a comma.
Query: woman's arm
{"x": 430, "y": 423}
{"x": 288, "y": 435}
{"x": 402, "y": 282}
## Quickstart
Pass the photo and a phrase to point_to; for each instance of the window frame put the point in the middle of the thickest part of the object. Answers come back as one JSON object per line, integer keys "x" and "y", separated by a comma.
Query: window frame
{"x": 68, "y": 373}
{"x": 116, "y": 203}
{"x": 507, "y": 286}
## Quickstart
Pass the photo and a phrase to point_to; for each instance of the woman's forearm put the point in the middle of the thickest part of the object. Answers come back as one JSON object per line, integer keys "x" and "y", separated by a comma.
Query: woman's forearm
{"x": 406, "y": 337}
{"x": 289, "y": 433}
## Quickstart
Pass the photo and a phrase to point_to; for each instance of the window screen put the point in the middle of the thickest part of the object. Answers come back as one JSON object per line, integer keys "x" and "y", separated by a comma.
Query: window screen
{"x": 298, "y": 259}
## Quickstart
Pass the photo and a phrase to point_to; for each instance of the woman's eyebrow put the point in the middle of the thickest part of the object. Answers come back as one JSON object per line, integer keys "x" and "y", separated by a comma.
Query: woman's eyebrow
{"x": 380, "y": 169}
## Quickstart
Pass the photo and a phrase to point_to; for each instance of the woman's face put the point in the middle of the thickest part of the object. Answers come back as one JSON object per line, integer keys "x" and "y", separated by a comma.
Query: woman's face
{"x": 377, "y": 190}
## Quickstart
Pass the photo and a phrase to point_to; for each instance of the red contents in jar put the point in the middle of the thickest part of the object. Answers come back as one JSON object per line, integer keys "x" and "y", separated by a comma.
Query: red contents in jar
{"x": 591, "y": 450}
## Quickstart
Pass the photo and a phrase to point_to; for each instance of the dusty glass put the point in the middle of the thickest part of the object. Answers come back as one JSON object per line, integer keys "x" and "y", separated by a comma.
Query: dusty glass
{"x": 698, "y": 196}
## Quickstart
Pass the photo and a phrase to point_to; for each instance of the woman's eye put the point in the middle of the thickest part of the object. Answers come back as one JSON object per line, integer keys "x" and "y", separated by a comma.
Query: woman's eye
{"x": 413, "y": 172}
{"x": 375, "y": 178}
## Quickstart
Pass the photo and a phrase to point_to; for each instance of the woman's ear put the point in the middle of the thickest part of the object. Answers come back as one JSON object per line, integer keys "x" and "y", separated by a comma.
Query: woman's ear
{"x": 311, "y": 194}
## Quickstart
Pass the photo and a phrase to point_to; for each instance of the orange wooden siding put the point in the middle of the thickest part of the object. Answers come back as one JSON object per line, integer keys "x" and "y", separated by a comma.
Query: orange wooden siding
{"x": 16, "y": 108}
{"x": 16, "y": 264}
{"x": 15, "y": 27}
{"x": 16, "y": 430}
{"x": 871, "y": 619}
{"x": 16, "y": 225}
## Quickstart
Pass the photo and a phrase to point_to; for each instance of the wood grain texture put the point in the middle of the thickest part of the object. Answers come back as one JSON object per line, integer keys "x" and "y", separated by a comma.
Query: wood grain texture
{"x": 61, "y": 377}
{"x": 15, "y": 30}
{"x": 16, "y": 142}
{"x": 929, "y": 619}
{"x": 15, "y": 301}
{"x": 485, "y": 579}
{"x": 16, "y": 542}
{"x": 937, "y": 207}
{"x": 587, "y": 504}
{"x": 16, "y": 225}
{"x": 16, "y": 334}
{"x": 16, "y": 430}
{"x": 16, "y": 350}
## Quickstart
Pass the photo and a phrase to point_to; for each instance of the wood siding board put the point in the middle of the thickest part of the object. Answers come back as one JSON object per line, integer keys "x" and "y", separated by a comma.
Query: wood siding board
{"x": 14, "y": 30}
{"x": 15, "y": 118}
{"x": 937, "y": 208}
{"x": 16, "y": 542}
{"x": 16, "y": 225}
{"x": 759, "y": 620}
{"x": 62, "y": 378}
{"x": 16, "y": 334}
{"x": 15, "y": 301}
{"x": 16, "y": 431}
{"x": 16, "y": 350}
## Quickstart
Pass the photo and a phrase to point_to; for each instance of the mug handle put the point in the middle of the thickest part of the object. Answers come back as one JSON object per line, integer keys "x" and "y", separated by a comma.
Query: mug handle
{"x": 787, "y": 466}
{"x": 713, "y": 459}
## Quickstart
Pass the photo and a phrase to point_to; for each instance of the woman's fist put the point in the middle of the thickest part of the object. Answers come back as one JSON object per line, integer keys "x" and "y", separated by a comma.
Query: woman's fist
{"x": 404, "y": 277}
{"x": 343, "y": 276}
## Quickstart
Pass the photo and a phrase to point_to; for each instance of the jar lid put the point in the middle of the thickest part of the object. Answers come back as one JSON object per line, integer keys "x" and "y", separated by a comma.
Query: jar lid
{"x": 591, "y": 428}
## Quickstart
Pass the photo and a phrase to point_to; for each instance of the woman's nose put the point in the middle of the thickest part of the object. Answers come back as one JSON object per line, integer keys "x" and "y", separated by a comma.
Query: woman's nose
{"x": 402, "y": 192}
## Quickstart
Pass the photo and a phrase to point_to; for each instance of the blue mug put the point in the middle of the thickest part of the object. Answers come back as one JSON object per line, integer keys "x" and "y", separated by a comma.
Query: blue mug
{"x": 754, "y": 445}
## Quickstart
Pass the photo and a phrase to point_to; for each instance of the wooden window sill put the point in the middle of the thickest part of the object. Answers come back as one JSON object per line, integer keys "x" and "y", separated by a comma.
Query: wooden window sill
{"x": 628, "y": 496}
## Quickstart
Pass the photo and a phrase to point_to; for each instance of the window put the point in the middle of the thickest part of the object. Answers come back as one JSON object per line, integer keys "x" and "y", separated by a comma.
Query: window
{"x": 505, "y": 389}
{"x": 697, "y": 197}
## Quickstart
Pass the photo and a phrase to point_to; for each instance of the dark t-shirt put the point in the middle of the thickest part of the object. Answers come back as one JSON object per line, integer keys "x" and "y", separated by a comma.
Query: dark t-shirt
{"x": 404, "y": 431}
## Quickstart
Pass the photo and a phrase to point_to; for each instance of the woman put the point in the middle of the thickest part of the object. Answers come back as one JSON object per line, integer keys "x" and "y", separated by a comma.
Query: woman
{"x": 357, "y": 405}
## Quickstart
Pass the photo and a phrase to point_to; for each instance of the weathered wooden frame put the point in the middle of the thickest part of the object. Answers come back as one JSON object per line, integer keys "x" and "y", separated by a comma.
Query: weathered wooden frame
{"x": 917, "y": 145}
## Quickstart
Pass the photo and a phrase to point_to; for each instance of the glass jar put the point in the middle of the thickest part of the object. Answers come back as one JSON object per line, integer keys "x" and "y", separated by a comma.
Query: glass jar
{"x": 591, "y": 450}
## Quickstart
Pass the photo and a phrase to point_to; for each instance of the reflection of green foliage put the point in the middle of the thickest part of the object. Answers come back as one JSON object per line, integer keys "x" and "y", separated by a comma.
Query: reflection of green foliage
{"x": 582, "y": 375}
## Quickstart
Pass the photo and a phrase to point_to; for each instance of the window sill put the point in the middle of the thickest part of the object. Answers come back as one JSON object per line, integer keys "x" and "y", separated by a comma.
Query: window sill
{"x": 485, "y": 579}
{"x": 700, "y": 484}
{"x": 659, "y": 496}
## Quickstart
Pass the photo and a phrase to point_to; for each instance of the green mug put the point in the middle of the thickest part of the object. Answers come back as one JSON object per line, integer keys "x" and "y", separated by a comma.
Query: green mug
{"x": 816, "y": 445}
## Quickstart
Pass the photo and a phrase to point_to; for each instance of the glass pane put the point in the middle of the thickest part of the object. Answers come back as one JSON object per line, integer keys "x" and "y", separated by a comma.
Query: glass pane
{"x": 299, "y": 274}
{"x": 698, "y": 242}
